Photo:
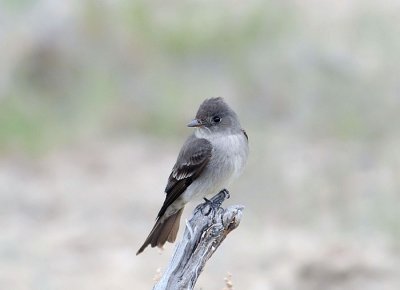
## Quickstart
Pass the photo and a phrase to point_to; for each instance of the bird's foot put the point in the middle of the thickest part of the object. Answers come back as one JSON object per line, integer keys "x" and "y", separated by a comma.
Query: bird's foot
{"x": 220, "y": 197}
{"x": 216, "y": 202}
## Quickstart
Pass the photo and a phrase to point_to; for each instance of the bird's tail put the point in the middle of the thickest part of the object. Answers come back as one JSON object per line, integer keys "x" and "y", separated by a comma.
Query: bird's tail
{"x": 164, "y": 230}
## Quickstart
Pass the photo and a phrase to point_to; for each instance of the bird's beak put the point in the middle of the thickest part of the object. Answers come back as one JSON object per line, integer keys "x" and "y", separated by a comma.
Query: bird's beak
{"x": 195, "y": 123}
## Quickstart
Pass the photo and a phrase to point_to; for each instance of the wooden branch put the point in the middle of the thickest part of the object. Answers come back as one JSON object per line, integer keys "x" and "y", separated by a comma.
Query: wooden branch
{"x": 204, "y": 233}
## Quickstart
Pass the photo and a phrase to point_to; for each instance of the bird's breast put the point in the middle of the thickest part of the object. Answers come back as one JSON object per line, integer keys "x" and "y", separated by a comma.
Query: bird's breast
{"x": 230, "y": 154}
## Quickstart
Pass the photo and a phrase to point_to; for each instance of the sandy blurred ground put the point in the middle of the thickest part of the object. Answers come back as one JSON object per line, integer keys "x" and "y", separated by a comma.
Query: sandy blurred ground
{"x": 94, "y": 98}
{"x": 75, "y": 218}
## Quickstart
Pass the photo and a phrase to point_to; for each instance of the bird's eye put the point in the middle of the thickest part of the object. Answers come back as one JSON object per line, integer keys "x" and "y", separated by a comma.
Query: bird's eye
{"x": 217, "y": 119}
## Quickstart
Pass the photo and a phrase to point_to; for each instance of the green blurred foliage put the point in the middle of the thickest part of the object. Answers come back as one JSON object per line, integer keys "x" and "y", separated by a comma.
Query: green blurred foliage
{"x": 134, "y": 66}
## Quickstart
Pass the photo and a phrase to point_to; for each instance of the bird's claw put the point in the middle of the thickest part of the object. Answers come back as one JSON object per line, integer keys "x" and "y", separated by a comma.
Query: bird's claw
{"x": 206, "y": 200}
{"x": 216, "y": 202}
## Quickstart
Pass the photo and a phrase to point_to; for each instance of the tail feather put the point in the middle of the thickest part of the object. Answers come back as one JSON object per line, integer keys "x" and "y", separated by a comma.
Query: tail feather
{"x": 164, "y": 230}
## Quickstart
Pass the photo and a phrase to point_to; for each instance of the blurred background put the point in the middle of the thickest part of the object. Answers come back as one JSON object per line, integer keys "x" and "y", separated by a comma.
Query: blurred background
{"x": 94, "y": 99}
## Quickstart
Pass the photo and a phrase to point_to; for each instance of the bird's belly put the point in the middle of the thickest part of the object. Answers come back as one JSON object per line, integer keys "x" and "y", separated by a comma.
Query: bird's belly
{"x": 228, "y": 161}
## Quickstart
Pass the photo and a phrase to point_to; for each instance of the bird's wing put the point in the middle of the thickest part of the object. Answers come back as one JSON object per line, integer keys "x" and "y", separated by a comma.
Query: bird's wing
{"x": 245, "y": 134}
{"x": 193, "y": 158}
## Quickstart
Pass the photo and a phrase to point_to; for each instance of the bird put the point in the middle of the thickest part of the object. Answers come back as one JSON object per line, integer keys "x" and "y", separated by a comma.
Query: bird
{"x": 211, "y": 158}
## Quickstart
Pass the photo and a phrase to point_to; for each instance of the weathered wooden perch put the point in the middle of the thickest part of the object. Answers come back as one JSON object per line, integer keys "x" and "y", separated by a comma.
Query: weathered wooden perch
{"x": 204, "y": 233}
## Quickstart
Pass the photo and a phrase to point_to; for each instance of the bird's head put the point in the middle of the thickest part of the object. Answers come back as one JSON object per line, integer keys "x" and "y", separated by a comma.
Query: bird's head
{"x": 215, "y": 117}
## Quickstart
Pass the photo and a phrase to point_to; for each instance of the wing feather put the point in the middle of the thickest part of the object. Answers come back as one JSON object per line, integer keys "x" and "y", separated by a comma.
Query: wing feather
{"x": 192, "y": 159}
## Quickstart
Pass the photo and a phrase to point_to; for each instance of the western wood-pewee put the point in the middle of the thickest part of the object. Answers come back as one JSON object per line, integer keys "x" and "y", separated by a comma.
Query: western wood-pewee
{"x": 210, "y": 159}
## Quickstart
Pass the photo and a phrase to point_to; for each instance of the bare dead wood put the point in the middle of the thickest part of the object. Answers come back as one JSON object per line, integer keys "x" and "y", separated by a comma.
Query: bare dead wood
{"x": 204, "y": 233}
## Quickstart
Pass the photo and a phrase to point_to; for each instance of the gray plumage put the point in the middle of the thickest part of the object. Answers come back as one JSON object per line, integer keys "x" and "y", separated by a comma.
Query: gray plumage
{"x": 209, "y": 160}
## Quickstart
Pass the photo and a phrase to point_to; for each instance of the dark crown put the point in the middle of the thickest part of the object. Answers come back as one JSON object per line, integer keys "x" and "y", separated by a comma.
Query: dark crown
{"x": 212, "y": 107}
